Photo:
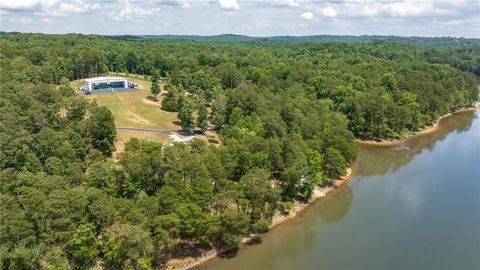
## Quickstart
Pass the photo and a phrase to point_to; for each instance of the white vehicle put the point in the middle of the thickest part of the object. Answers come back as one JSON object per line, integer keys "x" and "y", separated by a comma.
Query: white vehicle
{"x": 85, "y": 90}
{"x": 132, "y": 85}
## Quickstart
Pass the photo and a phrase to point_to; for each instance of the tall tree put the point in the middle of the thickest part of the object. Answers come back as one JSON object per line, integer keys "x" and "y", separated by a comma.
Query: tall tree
{"x": 171, "y": 101}
{"x": 82, "y": 247}
{"x": 101, "y": 129}
{"x": 185, "y": 115}
{"x": 202, "y": 118}
{"x": 155, "y": 90}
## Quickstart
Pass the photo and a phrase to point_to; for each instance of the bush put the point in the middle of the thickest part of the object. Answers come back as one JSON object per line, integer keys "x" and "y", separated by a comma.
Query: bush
{"x": 170, "y": 104}
{"x": 261, "y": 226}
{"x": 287, "y": 207}
{"x": 326, "y": 182}
{"x": 231, "y": 241}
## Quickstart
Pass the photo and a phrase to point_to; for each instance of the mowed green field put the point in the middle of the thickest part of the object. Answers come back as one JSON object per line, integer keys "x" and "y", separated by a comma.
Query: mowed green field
{"x": 135, "y": 109}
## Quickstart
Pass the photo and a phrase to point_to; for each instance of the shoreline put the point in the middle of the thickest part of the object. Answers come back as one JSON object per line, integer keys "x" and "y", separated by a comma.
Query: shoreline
{"x": 318, "y": 193}
{"x": 426, "y": 130}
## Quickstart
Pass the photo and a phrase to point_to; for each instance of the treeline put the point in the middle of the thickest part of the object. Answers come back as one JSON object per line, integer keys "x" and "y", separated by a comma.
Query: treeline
{"x": 434, "y": 42}
{"x": 286, "y": 114}
{"x": 462, "y": 57}
{"x": 384, "y": 88}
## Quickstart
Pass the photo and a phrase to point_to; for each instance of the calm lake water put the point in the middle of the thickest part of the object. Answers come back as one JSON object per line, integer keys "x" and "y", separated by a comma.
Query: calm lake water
{"x": 411, "y": 206}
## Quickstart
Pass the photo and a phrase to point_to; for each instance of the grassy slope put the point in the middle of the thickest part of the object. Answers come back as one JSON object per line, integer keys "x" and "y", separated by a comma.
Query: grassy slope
{"x": 134, "y": 109}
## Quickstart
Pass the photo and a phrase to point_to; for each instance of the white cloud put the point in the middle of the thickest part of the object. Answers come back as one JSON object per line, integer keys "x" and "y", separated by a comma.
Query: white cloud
{"x": 263, "y": 17}
{"x": 308, "y": 15}
{"x": 26, "y": 4}
{"x": 368, "y": 11}
{"x": 263, "y": 24}
{"x": 329, "y": 12}
{"x": 131, "y": 13}
{"x": 65, "y": 8}
{"x": 282, "y": 3}
{"x": 22, "y": 20}
{"x": 398, "y": 9}
{"x": 48, "y": 7}
{"x": 407, "y": 8}
{"x": 173, "y": 3}
{"x": 229, "y": 4}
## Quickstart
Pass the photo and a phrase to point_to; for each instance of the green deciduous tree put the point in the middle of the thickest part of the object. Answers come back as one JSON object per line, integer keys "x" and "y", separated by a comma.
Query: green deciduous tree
{"x": 334, "y": 163}
{"x": 101, "y": 129}
{"x": 82, "y": 247}
{"x": 202, "y": 119}
{"x": 155, "y": 89}
{"x": 185, "y": 115}
{"x": 55, "y": 259}
{"x": 234, "y": 225}
{"x": 171, "y": 100}
{"x": 126, "y": 246}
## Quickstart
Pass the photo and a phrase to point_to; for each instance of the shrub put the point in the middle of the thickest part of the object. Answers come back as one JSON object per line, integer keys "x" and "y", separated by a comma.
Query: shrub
{"x": 261, "y": 226}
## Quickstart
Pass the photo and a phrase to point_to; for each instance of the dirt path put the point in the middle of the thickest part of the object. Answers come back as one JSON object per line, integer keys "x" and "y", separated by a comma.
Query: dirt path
{"x": 164, "y": 131}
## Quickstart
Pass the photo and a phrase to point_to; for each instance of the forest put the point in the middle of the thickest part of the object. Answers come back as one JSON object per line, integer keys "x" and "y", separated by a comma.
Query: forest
{"x": 287, "y": 114}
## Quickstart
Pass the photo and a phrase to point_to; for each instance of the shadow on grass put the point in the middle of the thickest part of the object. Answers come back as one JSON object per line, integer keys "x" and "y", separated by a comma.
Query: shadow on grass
{"x": 152, "y": 98}
{"x": 214, "y": 141}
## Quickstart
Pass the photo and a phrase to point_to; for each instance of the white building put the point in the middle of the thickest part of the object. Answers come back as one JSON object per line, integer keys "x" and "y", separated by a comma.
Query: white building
{"x": 99, "y": 83}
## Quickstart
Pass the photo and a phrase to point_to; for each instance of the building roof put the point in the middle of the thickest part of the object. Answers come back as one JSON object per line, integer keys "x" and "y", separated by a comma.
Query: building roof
{"x": 102, "y": 79}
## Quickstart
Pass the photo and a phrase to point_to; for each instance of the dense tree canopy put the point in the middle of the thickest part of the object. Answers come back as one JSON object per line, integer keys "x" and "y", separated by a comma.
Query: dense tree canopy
{"x": 287, "y": 114}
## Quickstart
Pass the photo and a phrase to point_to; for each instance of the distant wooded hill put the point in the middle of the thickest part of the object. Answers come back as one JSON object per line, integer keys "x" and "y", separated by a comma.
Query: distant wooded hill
{"x": 429, "y": 41}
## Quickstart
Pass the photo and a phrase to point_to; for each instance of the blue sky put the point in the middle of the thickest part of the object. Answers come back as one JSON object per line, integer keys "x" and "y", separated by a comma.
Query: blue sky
{"x": 457, "y": 18}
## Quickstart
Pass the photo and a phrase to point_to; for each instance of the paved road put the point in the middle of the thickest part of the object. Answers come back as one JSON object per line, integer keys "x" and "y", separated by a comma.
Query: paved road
{"x": 163, "y": 131}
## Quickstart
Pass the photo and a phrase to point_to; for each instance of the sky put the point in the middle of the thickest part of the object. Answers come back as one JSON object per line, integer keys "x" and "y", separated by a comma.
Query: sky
{"x": 455, "y": 18}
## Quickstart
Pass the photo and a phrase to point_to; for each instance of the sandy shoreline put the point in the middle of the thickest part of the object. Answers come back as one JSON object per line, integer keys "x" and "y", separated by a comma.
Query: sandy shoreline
{"x": 318, "y": 192}
{"x": 429, "y": 129}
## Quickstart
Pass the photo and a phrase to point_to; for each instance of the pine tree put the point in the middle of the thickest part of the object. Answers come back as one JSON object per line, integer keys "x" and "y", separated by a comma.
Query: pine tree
{"x": 202, "y": 119}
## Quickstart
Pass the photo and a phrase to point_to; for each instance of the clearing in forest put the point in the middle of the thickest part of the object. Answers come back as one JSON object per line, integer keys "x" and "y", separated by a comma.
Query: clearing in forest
{"x": 135, "y": 109}
{"x": 138, "y": 109}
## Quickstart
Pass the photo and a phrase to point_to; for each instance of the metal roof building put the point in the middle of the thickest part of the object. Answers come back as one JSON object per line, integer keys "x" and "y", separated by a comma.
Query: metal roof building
{"x": 99, "y": 83}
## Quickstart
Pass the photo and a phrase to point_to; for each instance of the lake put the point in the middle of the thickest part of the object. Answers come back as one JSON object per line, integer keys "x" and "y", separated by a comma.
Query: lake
{"x": 411, "y": 206}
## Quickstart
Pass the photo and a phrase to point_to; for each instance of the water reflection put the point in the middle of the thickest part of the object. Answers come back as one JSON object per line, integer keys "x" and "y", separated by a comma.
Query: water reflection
{"x": 424, "y": 216}
{"x": 375, "y": 160}
{"x": 332, "y": 209}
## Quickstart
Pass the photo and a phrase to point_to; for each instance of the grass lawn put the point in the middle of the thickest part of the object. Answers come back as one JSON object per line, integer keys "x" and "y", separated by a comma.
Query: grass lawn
{"x": 135, "y": 109}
